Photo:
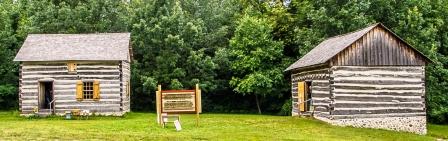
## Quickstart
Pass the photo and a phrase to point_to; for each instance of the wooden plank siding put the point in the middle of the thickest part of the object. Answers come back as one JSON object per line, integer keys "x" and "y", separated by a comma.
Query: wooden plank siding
{"x": 319, "y": 89}
{"x": 378, "y": 48}
{"x": 377, "y": 91}
{"x": 106, "y": 72}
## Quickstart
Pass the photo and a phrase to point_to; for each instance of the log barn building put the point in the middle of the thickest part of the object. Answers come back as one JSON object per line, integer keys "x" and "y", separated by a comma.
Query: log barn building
{"x": 367, "y": 78}
{"x": 65, "y": 72}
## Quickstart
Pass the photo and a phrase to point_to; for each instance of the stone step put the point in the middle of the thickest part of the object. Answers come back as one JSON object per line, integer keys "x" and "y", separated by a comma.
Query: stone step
{"x": 44, "y": 112}
{"x": 306, "y": 114}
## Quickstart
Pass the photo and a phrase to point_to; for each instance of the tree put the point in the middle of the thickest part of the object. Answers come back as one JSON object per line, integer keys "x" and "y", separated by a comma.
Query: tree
{"x": 256, "y": 58}
{"x": 169, "y": 47}
{"x": 228, "y": 46}
{"x": 72, "y": 16}
{"x": 8, "y": 46}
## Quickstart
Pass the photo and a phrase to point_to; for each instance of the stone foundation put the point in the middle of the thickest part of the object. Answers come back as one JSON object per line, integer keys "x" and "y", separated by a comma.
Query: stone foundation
{"x": 117, "y": 114}
{"x": 100, "y": 114}
{"x": 408, "y": 124}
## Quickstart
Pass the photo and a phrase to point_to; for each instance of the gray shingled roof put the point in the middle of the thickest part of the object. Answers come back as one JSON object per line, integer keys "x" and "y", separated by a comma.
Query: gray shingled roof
{"x": 329, "y": 48}
{"x": 62, "y": 47}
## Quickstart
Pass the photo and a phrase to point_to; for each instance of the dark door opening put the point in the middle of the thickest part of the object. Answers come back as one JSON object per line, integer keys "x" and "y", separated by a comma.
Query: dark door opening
{"x": 308, "y": 95}
{"x": 45, "y": 95}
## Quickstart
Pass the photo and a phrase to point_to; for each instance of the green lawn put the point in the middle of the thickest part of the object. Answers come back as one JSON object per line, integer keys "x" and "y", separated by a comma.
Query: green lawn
{"x": 142, "y": 126}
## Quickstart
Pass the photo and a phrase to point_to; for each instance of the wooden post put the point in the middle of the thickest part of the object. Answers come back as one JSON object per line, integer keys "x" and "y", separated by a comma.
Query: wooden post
{"x": 198, "y": 103}
{"x": 159, "y": 104}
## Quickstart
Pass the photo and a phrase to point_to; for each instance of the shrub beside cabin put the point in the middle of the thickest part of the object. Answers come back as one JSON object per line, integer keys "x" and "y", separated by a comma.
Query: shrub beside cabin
{"x": 64, "y": 72}
{"x": 367, "y": 78}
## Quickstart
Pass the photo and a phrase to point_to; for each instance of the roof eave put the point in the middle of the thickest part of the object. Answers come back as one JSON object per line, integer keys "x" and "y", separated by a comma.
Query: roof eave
{"x": 65, "y": 60}
{"x": 325, "y": 61}
{"x": 307, "y": 67}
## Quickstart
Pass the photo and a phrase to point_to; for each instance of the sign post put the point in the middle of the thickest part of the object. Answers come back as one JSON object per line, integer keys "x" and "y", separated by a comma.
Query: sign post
{"x": 198, "y": 104}
{"x": 158, "y": 104}
{"x": 178, "y": 102}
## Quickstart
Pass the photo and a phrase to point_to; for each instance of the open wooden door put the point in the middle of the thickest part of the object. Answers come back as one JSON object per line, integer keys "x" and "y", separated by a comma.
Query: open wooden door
{"x": 301, "y": 90}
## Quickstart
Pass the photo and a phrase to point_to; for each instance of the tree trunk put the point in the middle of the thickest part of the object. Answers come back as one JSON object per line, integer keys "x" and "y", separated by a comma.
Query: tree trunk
{"x": 258, "y": 104}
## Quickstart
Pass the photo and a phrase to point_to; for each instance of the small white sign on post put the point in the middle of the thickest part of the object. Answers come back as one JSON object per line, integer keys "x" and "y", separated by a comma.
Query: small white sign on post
{"x": 177, "y": 125}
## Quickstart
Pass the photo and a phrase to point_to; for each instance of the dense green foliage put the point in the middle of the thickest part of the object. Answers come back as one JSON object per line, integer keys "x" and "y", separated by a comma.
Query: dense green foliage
{"x": 8, "y": 46}
{"x": 235, "y": 49}
{"x": 221, "y": 127}
{"x": 256, "y": 59}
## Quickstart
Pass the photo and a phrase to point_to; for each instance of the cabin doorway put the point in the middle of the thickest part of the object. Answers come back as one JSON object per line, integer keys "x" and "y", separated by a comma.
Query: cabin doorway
{"x": 308, "y": 96}
{"x": 46, "y": 95}
{"x": 304, "y": 96}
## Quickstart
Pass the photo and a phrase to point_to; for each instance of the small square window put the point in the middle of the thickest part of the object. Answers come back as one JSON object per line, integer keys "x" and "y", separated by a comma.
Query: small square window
{"x": 87, "y": 92}
{"x": 71, "y": 67}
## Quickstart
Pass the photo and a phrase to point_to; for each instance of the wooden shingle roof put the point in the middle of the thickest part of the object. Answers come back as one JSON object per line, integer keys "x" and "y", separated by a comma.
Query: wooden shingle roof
{"x": 332, "y": 46}
{"x": 62, "y": 47}
{"x": 329, "y": 48}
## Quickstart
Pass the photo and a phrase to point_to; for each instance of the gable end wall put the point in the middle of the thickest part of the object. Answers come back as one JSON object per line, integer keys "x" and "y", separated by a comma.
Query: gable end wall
{"x": 378, "y": 47}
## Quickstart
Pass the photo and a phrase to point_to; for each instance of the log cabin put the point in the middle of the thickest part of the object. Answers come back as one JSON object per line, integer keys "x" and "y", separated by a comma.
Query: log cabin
{"x": 367, "y": 78}
{"x": 61, "y": 73}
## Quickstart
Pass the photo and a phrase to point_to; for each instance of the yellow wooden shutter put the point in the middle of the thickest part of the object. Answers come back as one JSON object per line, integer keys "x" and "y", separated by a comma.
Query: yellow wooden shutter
{"x": 79, "y": 90}
{"x": 96, "y": 90}
{"x": 301, "y": 94}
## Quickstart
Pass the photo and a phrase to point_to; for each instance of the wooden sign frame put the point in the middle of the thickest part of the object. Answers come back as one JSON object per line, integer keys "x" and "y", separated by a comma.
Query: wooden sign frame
{"x": 188, "y": 96}
{"x": 195, "y": 99}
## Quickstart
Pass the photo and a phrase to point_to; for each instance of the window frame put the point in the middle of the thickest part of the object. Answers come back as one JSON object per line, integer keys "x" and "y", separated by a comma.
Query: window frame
{"x": 87, "y": 94}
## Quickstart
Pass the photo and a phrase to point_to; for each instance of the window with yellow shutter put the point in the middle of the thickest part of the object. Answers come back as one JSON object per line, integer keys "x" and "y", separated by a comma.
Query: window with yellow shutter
{"x": 87, "y": 90}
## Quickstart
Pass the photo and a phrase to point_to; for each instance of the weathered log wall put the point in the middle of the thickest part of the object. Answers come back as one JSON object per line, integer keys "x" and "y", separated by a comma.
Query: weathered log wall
{"x": 108, "y": 74}
{"x": 319, "y": 89}
{"x": 363, "y": 92}
{"x": 321, "y": 96}
{"x": 126, "y": 86}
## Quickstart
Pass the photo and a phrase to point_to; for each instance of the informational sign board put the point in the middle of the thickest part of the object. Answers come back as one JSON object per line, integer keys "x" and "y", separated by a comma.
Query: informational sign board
{"x": 178, "y": 102}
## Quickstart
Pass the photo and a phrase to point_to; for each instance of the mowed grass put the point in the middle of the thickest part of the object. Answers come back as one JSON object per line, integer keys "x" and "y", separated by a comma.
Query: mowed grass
{"x": 143, "y": 126}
